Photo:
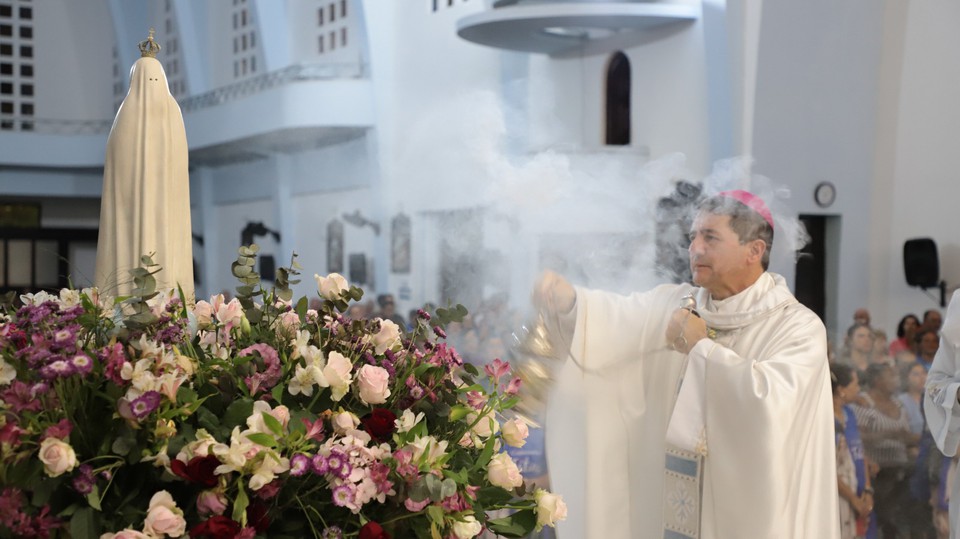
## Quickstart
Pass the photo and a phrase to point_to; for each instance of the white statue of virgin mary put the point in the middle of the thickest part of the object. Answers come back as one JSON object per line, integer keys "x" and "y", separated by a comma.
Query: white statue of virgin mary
{"x": 145, "y": 207}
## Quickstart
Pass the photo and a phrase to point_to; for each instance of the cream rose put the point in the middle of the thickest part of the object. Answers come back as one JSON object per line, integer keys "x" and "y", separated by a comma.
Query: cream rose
{"x": 332, "y": 286}
{"x": 211, "y": 502}
{"x": 374, "y": 384}
{"x": 550, "y": 508}
{"x": 466, "y": 528}
{"x": 337, "y": 373}
{"x": 204, "y": 313}
{"x": 515, "y": 432}
{"x": 344, "y": 422}
{"x": 486, "y": 426}
{"x": 387, "y": 337}
{"x": 503, "y": 472}
{"x": 164, "y": 517}
{"x": 57, "y": 457}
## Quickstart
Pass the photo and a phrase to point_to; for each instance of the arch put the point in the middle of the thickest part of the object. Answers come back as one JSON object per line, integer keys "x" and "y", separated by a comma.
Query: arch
{"x": 618, "y": 100}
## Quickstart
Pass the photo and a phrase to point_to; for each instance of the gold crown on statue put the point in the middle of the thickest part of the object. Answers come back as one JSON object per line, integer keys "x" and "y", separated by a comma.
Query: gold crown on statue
{"x": 148, "y": 47}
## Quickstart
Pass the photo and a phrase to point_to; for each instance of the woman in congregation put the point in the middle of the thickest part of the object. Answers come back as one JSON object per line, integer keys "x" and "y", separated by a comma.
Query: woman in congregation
{"x": 853, "y": 482}
{"x": 885, "y": 429}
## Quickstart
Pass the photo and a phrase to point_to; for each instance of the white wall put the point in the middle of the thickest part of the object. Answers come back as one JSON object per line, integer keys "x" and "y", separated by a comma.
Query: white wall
{"x": 925, "y": 187}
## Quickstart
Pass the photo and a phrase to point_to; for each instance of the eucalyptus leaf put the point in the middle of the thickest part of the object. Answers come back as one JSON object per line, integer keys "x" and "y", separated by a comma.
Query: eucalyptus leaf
{"x": 84, "y": 524}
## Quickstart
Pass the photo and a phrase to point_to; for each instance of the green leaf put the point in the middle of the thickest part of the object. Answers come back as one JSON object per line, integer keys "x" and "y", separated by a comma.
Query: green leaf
{"x": 93, "y": 498}
{"x": 435, "y": 512}
{"x": 458, "y": 412}
{"x": 471, "y": 368}
{"x": 83, "y": 524}
{"x": 272, "y": 423}
{"x": 285, "y": 294}
{"x": 493, "y": 496}
{"x": 260, "y": 438}
{"x": 448, "y": 488}
{"x": 242, "y": 271}
{"x": 237, "y": 413}
{"x": 518, "y": 524}
{"x": 240, "y": 504}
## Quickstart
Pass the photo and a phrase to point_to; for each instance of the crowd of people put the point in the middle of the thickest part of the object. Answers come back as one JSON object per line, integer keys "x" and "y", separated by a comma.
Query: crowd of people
{"x": 893, "y": 481}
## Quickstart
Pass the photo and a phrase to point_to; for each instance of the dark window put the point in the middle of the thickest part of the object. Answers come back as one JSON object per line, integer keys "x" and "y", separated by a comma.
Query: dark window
{"x": 343, "y": 37}
{"x": 618, "y": 100}
{"x": 6, "y": 68}
{"x": 343, "y": 8}
{"x": 243, "y": 66}
{"x": 6, "y": 107}
{"x": 6, "y": 10}
{"x": 6, "y": 30}
{"x": 253, "y": 64}
{"x": 26, "y": 70}
{"x": 253, "y": 39}
{"x": 320, "y": 44}
{"x": 434, "y": 5}
{"x": 26, "y": 126}
{"x": 449, "y": 3}
{"x": 236, "y": 68}
{"x": 6, "y": 88}
{"x": 169, "y": 25}
{"x": 6, "y": 49}
{"x": 243, "y": 42}
{"x": 333, "y": 41}
{"x": 234, "y": 21}
{"x": 6, "y": 125}
{"x": 243, "y": 17}
{"x": 26, "y": 32}
{"x": 26, "y": 89}
{"x": 333, "y": 12}
{"x": 26, "y": 12}
{"x": 26, "y": 51}
{"x": 320, "y": 17}
{"x": 26, "y": 109}
{"x": 236, "y": 47}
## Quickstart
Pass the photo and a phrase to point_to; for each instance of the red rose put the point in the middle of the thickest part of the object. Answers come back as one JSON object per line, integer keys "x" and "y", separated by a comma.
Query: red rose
{"x": 218, "y": 527}
{"x": 372, "y": 530}
{"x": 379, "y": 424}
{"x": 257, "y": 516}
{"x": 199, "y": 470}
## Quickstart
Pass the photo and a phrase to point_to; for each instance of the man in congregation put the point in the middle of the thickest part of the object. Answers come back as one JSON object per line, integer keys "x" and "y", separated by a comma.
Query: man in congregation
{"x": 708, "y": 409}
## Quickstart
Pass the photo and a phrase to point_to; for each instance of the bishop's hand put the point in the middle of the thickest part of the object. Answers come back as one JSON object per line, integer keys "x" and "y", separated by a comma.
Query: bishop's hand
{"x": 685, "y": 330}
{"x": 553, "y": 294}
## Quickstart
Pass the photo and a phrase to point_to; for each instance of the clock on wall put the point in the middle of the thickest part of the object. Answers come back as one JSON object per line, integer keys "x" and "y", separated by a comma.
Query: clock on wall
{"x": 824, "y": 194}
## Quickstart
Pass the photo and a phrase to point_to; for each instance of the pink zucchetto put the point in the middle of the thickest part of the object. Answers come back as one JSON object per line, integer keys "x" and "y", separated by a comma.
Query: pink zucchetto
{"x": 751, "y": 201}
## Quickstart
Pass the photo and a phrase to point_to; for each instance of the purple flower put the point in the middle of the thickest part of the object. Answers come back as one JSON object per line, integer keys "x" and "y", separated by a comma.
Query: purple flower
{"x": 333, "y": 532}
{"x": 344, "y": 471}
{"x": 343, "y": 495}
{"x": 320, "y": 464}
{"x": 299, "y": 465}
{"x": 271, "y": 361}
{"x": 83, "y": 482}
{"x": 59, "y": 368}
{"x": 440, "y": 332}
{"x": 82, "y": 363}
{"x": 423, "y": 315}
{"x": 145, "y": 404}
{"x": 19, "y": 397}
{"x": 335, "y": 462}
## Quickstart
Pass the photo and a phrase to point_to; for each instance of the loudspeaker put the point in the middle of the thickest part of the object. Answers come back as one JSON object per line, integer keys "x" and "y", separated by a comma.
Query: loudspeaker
{"x": 920, "y": 263}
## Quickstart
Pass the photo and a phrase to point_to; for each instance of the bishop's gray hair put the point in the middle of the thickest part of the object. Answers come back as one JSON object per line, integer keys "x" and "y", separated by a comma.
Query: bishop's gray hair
{"x": 745, "y": 222}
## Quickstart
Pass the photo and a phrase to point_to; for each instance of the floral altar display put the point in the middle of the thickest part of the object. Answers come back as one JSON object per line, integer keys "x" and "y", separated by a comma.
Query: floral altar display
{"x": 143, "y": 416}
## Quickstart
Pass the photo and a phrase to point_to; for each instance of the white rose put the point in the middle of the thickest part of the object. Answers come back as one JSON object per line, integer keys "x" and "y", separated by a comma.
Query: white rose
{"x": 503, "y": 472}
{"x": 374, "y": 384}
{"x": 57, "y": 456}
{"x": 332, "y": 286}
{"x": 466, "y": 528}
{"x": 344, "y": 422}
{"x": 164, "y": 517}
{"x": 69, "y": 298}
{"x": 387, "y": 337}
{"x": 550, "y": 508}
{"x": 337, "y": 373}
{"x": 487, "y": 425}
{"x": 7, "y": 372}
{"x": 515, "y": 432}
{"x": 204, "y": 313}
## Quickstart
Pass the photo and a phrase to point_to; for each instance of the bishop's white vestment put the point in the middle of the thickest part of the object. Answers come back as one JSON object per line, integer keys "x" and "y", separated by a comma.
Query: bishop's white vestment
{"x": 756, "y": 399}
{"x": 940, "y": 401}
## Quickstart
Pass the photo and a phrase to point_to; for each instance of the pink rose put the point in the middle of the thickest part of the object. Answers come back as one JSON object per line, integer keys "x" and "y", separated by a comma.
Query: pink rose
{"x": 164, "y": 517}
{"x": 290, "y": 321}
{"x": 374, "y": 384}
{"x": 204, "y": 313}
{"x": 332, "y": 286}
{"x": 57, "y": 457}
{"x": 125, "y": 534}
{"x": 503, "y": 472}
{"x": 229, "y": 314}
{"x": 282, "y": 414}
{"x": 211, "y": 502}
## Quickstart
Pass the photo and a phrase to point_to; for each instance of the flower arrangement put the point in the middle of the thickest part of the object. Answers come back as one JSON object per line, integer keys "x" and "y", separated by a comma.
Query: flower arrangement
{"x": 144, "y": 416}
